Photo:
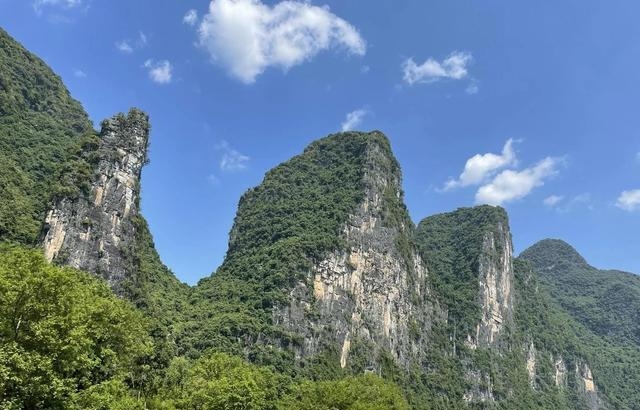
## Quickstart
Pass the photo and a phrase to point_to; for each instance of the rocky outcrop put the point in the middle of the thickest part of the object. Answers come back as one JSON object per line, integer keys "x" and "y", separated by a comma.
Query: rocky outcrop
{"x": 495, "y": 275}
{"x": 96, "y": 233}
{"x": 586, "y": 386}
{"x": 531, "y": 365}
{"x": 371, "y": 296}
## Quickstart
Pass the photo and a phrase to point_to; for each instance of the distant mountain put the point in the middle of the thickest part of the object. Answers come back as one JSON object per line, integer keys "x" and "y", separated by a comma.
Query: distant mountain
{"x": 605, "y": 301}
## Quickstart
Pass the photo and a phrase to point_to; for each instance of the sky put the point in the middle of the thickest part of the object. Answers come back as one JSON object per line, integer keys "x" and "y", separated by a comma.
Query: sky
{"x": 534, "y": 106}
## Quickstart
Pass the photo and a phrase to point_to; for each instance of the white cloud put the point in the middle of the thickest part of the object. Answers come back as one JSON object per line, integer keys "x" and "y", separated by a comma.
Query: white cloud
{"x": 247, "y": 36}
{"x": 453, "y": 67}
{"x": 65, "y": 4}
{"x": 124, "y": 47}
{"x": 472, "y": 88}
{"x": 629, "y": 200}
{"x": 562, "y": 204}
{"x": 553, "y": 200}
{"x": 142, "y": 40}
{"x": 481, "y": 166}
{"x": 79, "y": 73}
{"x": 510, "y": 185}
{"x": 232, "y": 160}
{"x": 159, "y": 71}
{"x": 353, "y": 119}
{"x": 128, "y": 46}
{"x": 190, "y": 18}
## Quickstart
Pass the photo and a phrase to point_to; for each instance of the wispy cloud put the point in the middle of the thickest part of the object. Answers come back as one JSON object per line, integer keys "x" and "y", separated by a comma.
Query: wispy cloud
{"x": 510, "y": 185}
{"x": 562, "y": 204}
{"x": 248, "y": 36}
{"x": 453, "y": 67}
{"x": 553, "y": 200}
{"x": 232, "y": 160}
{"x": 39, "y": 5}
{"x": 79, "y": 73}
{"x": 159, "y": 71}
{"x": 482, "y": 166}
{"x": 353, "y": 119}
{"x": 124, "y": 47}
{"x": 629, "y": 200}
{"x": 190, "y": 17}
{"x": 128, "y": 46}
{"x": 472, "y": 88}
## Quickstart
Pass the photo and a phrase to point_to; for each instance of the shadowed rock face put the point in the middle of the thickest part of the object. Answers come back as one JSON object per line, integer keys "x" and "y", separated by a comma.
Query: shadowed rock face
{"x": 96, "y": 233}
{"x": 371, "y": 296}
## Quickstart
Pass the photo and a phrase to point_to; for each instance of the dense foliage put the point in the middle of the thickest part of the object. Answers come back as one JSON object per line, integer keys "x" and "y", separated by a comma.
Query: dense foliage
{"x": 290, "y": 220}
{"x": 450, "y": 244}
{"x": 61, "y": 331}
{"x": 44, "y": 135}
{"x": 596, "y": 317}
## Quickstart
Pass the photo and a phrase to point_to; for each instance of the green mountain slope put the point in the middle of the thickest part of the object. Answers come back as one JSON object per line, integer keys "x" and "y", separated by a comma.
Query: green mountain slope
{"x": 42, "y": 134}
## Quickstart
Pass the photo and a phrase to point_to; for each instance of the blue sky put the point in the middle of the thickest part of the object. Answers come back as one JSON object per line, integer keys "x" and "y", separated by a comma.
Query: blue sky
{"x": 533, "y": 105}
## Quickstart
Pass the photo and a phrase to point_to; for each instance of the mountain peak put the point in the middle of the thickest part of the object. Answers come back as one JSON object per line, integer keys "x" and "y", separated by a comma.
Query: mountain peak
{"x": 548, "y": 252}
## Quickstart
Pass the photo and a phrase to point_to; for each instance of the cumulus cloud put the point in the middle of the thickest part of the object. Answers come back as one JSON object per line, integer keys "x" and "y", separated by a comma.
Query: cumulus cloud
{"x": 159, "y": 71}
{"x": 553, "y": 200}
{"x": 247, "y": 36}
{"x": 190, "y": 18}
{"x": 510, "y": 185}
{"x": 453, "y": 67}
{"x": 481, "y": 166}
{"x": 353, "y": 119}
{"x": 232, "y": 160}
{"x": 629, "y": 200}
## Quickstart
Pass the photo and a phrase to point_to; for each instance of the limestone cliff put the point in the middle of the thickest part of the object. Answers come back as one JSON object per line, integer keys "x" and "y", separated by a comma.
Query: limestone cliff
{"x": 370, "y": 297}
{"x": 96, "y": 233}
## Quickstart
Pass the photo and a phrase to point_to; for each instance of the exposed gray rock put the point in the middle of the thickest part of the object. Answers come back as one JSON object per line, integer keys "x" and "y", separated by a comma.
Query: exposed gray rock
{"x": 96, "y": 233}
{"x": 371, "y": 297}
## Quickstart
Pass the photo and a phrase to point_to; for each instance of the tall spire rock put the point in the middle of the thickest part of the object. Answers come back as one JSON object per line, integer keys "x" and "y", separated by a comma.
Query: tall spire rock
{"x": 96, "y": 233}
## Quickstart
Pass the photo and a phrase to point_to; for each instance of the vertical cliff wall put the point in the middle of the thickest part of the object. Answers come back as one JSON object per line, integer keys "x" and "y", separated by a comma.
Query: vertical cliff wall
{"x": 96, "y": 233}
{"x": 370, "y": 296}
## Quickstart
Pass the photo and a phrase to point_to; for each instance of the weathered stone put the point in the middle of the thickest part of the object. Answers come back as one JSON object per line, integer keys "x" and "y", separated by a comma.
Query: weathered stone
{"x": 96, "y": 234}
{"x": 363, "y": 293}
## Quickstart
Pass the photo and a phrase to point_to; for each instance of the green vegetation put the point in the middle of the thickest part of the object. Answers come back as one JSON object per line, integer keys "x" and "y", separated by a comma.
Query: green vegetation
{"x": 44, "y": 135}
{"x": 595, "y": 315}
{"x": 290, "y": 220}
{"x": 450, "y": 244}
{"x": 61, "y": 331}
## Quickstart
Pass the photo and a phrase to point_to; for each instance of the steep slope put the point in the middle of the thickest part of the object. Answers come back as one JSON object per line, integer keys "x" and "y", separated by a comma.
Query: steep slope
{"x": 75, "y": 191}
{"x": 605, "y": 301}
{"x": 516, "y": 347}
{"x": 321, "y": 270}
{"x": 42, "y": 130}
{"x": 599, "y": 308}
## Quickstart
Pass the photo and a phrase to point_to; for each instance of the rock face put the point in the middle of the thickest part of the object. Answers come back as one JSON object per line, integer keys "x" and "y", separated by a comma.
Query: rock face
{"x": 96, "y": 233}
{"x": 495, "y": 273}
{"x": 370, "y": 296}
